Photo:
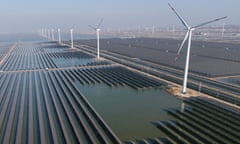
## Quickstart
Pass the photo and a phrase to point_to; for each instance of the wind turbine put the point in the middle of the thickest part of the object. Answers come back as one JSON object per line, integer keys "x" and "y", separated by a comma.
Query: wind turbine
{"x": 97, "y": 29}
{"x": 71, "y": 31}
{"x": 43, "y": 34}
{"x": 189, "y": 37}
{"x": 53, "y": 35}
{"x": 49, "y": 35}
{"x": 153, "y": 29}
{"x": 223, "y": 29}
{"x": 59, "y": 36}
{"x": 173, "y": 31}
{"x": 46, "y": 33}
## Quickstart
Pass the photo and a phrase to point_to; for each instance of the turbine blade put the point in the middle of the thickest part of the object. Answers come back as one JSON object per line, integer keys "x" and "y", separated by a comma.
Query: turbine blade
{"x": 99, "y": 24}
{"x": 181, "y": 19}
{"x": 208, "y": 22}
{"x": 182, "y": 44}
{"x": 92, "y": 27}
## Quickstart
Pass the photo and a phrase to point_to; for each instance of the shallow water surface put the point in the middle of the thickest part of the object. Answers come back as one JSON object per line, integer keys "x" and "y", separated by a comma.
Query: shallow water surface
{"x": 70, "y": 62}
{"x": 128, "y": 112}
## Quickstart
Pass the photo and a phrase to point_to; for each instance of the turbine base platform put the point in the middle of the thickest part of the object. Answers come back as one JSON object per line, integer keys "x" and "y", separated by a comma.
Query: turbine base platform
{"x": 177, "y": 91}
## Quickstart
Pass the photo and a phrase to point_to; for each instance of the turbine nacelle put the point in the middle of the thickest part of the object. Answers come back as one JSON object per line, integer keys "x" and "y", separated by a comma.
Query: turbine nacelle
{"x": 97, "y": 28}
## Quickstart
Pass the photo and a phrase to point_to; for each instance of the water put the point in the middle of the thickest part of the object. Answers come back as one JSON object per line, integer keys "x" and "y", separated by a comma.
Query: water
{"x": 128, "y": 112}
{"x": 71, "y": 62}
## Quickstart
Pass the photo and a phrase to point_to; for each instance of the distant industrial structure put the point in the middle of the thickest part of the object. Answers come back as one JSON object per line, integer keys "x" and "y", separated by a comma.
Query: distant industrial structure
{"x": 230, "y": 33}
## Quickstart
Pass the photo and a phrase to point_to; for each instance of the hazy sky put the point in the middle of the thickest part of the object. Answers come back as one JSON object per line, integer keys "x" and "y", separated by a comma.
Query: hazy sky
{"x": 31, "y": 15}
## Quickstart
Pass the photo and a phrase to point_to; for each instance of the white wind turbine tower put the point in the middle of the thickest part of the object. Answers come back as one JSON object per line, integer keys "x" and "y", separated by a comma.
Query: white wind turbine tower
{"x": 173, "y": 31}
{"x": 59, "y": 36}
{"x": 153, "y": 29}
{"x": 97, "y": 29}
{"x": 42, "y": 33}
{"x": 71, "y": 31}
{"x": 189, "y": 36}
{"x": 45, "y": 33}
{"x": 223, "y": 29}
{"x": 53, "y": 35}
{"x": 49, "y": 35}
